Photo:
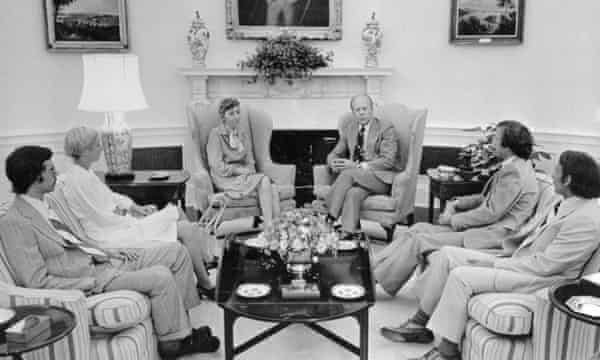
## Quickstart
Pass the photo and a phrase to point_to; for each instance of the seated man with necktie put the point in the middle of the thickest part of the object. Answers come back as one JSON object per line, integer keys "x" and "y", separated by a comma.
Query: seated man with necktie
{"x": 45, "y": 254}
{"x": 365, "y": 159}
{"x": 481, "y": 221}
{"x": 555, "y": 252}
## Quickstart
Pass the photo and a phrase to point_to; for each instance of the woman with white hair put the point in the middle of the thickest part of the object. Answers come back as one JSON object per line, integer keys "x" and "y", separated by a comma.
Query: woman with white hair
{"x": 116, "y": 221}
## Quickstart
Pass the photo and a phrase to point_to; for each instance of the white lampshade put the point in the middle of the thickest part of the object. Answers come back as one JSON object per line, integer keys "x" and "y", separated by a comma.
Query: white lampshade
{"x": 111, "y": 83}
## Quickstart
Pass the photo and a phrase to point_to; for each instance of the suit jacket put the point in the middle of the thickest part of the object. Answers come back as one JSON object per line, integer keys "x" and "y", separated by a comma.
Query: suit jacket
{"x": 381, "y": 147}
{"x": 38, "y": 259}
{"x": 507, "y": 200}
{"x": 562, "y": 247}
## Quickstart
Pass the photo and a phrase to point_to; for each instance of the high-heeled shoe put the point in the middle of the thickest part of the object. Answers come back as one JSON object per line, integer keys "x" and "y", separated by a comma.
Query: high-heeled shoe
{"x": 209, "y": 294}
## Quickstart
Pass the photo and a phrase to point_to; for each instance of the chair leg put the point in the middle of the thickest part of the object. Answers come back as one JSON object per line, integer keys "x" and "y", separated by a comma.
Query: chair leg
{"x": 410, "y": 219}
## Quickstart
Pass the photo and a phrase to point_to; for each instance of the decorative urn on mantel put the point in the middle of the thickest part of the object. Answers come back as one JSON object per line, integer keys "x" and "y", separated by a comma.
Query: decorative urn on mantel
{"x": 371, "y": 37}
{"x": 198, "y": 41}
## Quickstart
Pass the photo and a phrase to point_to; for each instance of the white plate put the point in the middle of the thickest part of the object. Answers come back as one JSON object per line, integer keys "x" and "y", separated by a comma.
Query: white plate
{"x": 256, "y": 242}
{"x": 252, "y": 290}
{"x": 345, "y": 245}
{"x": 348, "y": 291}
{"x": 159, "y": 175}
{"x": 6, "y": 315}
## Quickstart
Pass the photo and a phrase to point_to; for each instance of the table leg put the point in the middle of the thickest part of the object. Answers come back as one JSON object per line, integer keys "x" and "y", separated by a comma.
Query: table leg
{"x": 229, "y": 344}
{"x": 17, "y": 357}
{"x": 430, "y": 203}
{"x": 363, "y": 324}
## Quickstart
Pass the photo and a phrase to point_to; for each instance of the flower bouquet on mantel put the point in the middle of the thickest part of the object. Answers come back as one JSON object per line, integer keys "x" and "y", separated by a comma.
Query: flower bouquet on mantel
{"x": 299, "y": 236}
{"x": 286, "y": 58}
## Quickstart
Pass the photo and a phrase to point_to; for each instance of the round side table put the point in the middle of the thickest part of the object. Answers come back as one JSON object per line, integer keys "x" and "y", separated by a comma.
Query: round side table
{"x": 560, "y": 293}
{"x": 62, "y": 322}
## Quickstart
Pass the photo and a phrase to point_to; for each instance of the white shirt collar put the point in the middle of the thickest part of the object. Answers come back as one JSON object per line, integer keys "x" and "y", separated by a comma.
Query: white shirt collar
{"x": 508, "y": 160}
{"x": 569, "y": 204}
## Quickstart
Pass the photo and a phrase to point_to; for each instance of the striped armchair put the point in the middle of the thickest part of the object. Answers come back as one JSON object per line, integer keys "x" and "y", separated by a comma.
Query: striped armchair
{"x": 507, "y": 326}
{"x": 114, "y": 325}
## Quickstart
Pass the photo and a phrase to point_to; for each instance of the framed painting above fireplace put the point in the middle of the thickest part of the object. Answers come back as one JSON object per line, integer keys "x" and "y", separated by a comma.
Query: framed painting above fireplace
{"x": 305, "y": 19}
{"x": 86, "y": 25}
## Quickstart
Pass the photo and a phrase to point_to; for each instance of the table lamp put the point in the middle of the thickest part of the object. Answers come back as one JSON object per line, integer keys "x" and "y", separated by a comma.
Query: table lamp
{"x": 111, "y": 84}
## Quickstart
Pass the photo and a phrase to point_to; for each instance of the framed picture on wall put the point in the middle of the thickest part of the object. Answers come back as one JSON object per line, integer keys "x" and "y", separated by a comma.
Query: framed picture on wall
{"x": 305, "y": 19}
{"x": 86, "y": 25}
{"x": 487, "y": 22}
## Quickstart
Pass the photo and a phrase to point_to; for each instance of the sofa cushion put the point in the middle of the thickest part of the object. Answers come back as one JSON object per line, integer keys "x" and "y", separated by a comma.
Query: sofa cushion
{"x": 116, "y": 310}
{"x": 137, "y": 342}
{"x": 481, "y": 344}
{"x": 504, "y": 313}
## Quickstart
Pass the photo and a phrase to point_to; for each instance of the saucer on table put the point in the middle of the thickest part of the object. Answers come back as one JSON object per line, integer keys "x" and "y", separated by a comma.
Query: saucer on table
{"x": 253, "y": 290}
{"x": 348, "y": 291}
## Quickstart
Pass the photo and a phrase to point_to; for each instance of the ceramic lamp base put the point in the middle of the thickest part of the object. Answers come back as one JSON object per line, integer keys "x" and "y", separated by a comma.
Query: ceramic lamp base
{"x": 117, "y": 142}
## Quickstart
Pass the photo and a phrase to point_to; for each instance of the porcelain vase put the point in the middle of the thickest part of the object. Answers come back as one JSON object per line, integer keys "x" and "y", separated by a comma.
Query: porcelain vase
{"x": 198, "y": 40}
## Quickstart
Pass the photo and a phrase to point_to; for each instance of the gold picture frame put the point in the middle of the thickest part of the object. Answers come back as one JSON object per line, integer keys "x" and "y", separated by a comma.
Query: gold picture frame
{"x": 82, "y": 26}
{"x": 303, "y": 19}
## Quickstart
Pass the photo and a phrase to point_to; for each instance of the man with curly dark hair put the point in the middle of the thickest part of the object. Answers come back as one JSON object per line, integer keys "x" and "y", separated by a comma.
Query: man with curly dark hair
{"x": 481, "y": 221}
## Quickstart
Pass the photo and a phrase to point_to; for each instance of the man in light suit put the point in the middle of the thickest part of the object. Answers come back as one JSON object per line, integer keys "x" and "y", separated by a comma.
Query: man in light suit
{"x": 555, "y": 252}
{"x": 482, "y": 221}
{"x": 43, "y": 253}
{"x": 365, "y": 159}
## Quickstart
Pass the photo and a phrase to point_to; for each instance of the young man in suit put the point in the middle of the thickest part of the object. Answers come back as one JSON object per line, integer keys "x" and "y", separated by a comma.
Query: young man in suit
{"x": 365, "y": 159}
{"x": 555, "y": 252}
{"x": 45, "y": 254}
{"x": 482, "y": 221}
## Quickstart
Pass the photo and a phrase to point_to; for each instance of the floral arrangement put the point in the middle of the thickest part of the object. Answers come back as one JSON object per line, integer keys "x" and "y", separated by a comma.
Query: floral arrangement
{"x": 287, "y": 58}
{"x": 300, "y": 231}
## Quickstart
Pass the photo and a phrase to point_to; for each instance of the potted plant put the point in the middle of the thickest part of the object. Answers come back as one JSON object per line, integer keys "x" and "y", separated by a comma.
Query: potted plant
{"x": 286, "y": 58}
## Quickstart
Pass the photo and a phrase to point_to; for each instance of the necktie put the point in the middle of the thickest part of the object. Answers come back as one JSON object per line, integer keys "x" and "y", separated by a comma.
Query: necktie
{"x": 71, "y": 241}
{"x": 360, "y": 138}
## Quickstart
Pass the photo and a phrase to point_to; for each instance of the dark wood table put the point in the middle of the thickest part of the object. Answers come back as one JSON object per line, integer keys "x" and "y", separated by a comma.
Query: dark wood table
{"x": 144, "y": 190}
{"x": 560, "y": 293}
{"x": 62, "y": 322}
{"x": 447, "y": 189}
{"x": 241, "y": 264}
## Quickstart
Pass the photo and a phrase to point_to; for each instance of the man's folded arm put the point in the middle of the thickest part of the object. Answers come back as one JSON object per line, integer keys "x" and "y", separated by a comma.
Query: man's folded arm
{"x": 506, "y": 191}
{"x": 28, "y": 264}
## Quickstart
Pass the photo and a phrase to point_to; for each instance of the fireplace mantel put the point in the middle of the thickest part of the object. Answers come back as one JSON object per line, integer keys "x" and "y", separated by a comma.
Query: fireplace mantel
{"x": 303, "y": 105}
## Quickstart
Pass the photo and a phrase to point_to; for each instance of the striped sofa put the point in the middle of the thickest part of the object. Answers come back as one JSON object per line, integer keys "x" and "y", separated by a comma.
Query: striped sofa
{"x": 508, "y": 326}
{"x": 114, "y": 325}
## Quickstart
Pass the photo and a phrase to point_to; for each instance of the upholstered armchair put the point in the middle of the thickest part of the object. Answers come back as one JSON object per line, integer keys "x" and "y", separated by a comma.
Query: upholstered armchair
{"x": 201, "y": 120}
{"x": 114, "y": 325}
{"x": 399, "y": 204}
{"x": 507, "y": 326}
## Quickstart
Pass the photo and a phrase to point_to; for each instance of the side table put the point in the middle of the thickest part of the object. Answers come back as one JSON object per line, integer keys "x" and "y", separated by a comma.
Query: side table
{"x": 447, "y": 189}
{"x": 62, "y": 322}
{"x": 144, "y": 190}
{"x": 560, "y": 293}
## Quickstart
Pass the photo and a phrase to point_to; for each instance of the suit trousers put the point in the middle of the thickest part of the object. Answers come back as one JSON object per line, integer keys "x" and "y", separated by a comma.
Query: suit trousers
{"x": 452, "y": 278}
{"x": 394, "y": 265}
{"x": 350, "y": 189}
{"x": 164, "y": 274}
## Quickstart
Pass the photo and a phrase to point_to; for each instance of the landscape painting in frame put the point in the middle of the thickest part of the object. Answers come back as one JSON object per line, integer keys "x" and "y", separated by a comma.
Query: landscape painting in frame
{"x": 303, "y": 19}
{"x": 487, "y": 21}
{"x": 86, "y": 25}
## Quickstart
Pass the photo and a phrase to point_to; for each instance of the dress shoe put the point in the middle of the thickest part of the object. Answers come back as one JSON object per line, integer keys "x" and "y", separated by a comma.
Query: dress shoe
{"x": 209, "y": 294}
{"x": 407, "y": 332}
{"x": 434, "y": 354}
{"x": 198, "y": 342}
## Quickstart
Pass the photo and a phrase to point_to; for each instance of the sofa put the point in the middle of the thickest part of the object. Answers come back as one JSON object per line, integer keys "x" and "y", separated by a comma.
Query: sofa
{"x": 114, "y": 325}
{"x": 509, "y": 326}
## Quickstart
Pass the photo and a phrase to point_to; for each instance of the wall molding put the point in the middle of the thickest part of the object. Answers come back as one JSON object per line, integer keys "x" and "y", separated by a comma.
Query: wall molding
{"x": 434, "y": 136}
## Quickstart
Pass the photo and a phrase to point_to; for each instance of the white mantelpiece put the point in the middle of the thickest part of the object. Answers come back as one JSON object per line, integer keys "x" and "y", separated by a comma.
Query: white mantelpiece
{"x": 316, "y": 103}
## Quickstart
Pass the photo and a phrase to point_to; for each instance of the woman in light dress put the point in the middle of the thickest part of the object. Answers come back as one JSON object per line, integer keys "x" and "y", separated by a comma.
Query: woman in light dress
{"x": 116, "y": 221}
{"x": 231, "y": 162}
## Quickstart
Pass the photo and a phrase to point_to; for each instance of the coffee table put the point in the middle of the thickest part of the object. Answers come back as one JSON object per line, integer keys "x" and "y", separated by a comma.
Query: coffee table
{"x": 241, "y": 264}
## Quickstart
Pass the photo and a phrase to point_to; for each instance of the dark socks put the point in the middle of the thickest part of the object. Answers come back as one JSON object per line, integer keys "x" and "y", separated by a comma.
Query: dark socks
{"x": 420, "y": 318}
